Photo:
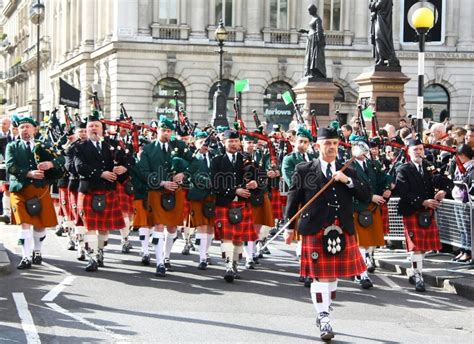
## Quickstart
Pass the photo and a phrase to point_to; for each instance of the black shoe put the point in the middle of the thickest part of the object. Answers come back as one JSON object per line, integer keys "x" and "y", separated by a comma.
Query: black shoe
{"x": 81, "y": 255}
{"x": 24, "y": 264}
{"x": 37, "y": 259}
{"x": 259, "y": 254}
{"x": 250, "y": 265}
{"x": 411, "y": 279}
{"x": 366, "y": 283}
{"x": 273, "y": 231}
{"x": 301, "y": 279}
{"x": 370, "y": 265}
{"x": 125, "y": 247}
{"x": 326, "y": 332}
{"x": 208, "y": 260}
{"x": 168, "y": 265}
{"x": 160, "y": 271}
{"x": 256, "y": 260}
{"x": 266, "y": 251}
{"x": 229, "y": 275}
{"x": 71, "y": 245}
{"x": 146, "y": 260}
{"x": 5, "y": 219}
{"x": 307, "y": 282}
{"x": 236, "y": 270}
{"x": 191, "y": 247}
{"x": 420, "y": 285}
{"x": 59, "y": 230}
{"x": 92, "y": 265}
{"x": 100, "y": 258}
{"x": 185, "y": 251}
{"x": 202, "y": 266}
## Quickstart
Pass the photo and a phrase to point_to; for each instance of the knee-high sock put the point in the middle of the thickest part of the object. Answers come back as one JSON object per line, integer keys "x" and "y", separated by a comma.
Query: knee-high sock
{"x": 227, "y": 248}
{"x": 103, "y": 239}
{"x": 26, "y": 242}
{"x": 264, "y": 231}
{"x": 238, "y": 252}
{"x": 159, "y": 242}
{"x": 248, "y": 249}
{"x": 209, "y": 242}
{"x": 169, "y": 241}
{"x": 417, "y": 262}
{"x": 125, "y": 232}
{"x": 92, "y": 243}
{"x": 203, "y": 238}
{"x": 321, "y": 296}
{"x": 332, "y": 289}
{"x": 80, "y": 232}
{"x": 144, "y": 235}
{"x": 6, "y": 204}
{"x": 298, "y": 248}
{"x": 371, "y": 250}
{"x": 39, "y": 237}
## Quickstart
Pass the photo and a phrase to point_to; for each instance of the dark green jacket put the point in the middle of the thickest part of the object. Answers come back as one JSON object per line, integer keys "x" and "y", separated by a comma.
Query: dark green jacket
{"x": 19, "y": 162}
{"x": 200, "y": 185}
{"x": 139, "y": 184}
{"x": 289, "y": 164}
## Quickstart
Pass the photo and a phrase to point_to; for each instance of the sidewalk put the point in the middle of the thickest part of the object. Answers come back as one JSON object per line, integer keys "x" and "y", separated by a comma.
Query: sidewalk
{"x": 438, "y": 270}
{"x": 5, "y": 265}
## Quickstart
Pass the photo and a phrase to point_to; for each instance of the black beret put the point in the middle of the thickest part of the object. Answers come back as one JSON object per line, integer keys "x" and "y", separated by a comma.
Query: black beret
{"x": 414, "y": 142}
{"x": 231, "y": 134}
{"x": 466, "y": 150}
{"x": 327, "y": 133}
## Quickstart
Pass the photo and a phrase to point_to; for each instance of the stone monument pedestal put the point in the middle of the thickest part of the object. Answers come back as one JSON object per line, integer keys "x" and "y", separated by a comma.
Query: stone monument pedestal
{"x": 383, "y": 88}
{"x": 317, "y": 94}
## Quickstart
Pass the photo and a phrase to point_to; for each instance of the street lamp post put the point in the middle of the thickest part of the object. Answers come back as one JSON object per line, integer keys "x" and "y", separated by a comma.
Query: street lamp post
{"x": 422, "y": 18}
{"x": 220, "y": 100}
{"x": 37, "y": 17}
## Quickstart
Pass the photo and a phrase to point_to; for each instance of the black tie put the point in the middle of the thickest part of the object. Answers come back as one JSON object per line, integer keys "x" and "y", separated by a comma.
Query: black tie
{"x": 365, "y": 167}
{"x": 420, "y": 169}
{"x": 163, "y": 148}
{"x": 328, "y": 172}
{"x": 233, "y": 159}
{"x": 28, "y": 146}
{"x": 97, "y": 146}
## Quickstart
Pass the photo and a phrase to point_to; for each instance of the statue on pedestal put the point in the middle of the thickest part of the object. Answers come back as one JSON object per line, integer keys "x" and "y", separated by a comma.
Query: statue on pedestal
{"x": 381, "y": 33}
{"x": 315, "y": 61}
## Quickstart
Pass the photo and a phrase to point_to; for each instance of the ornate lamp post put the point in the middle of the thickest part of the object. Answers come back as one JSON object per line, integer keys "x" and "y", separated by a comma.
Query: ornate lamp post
{"x": 422, "y": 16}
{"x": 37, "y": 17}
{"x": 220, "y": 102}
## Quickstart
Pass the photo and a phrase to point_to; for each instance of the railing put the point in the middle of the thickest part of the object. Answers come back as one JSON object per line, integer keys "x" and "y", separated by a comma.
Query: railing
{"x": 278, "y": 36}
{"x": 233, "y": 35}
{"x": 169, "y": 33}
{"x": 334, "y": 38}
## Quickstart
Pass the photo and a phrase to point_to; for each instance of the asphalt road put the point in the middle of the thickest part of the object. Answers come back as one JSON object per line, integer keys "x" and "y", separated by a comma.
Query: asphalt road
{"x": 59, "y": 302}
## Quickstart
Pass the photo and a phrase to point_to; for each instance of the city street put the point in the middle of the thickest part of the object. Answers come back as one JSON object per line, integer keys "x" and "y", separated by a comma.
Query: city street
{"x": 124, "y": 302}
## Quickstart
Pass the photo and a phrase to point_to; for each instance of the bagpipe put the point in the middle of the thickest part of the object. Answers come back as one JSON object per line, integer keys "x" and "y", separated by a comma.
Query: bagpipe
{"x": 182, "y": 123}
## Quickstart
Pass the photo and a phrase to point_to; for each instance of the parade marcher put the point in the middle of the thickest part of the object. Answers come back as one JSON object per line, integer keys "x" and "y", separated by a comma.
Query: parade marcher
{"x": 6, "y": 136}
{"x": 416, "y": 187}
{"x": 32, "y": 206}
{"x": 97, "y": 201}
{"x": 367, "y": 214}
{"x": 326, "y": 223}
{"x": 233, "y": 214}
{"x": 165, "y": 196}
{"x": 202, "y": 201}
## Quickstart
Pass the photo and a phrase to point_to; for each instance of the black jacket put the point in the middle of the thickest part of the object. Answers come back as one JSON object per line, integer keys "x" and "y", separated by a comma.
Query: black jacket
{"x": 413, "y": 189}
{"x": 307, "y": 180}
{"x": 90, "y": 165}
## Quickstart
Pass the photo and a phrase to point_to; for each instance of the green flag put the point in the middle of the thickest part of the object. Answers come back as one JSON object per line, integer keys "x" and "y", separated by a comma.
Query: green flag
{"x": 368, "y": 113}
{"x": 241, "y": 85}
{"x": 287, "y": 98}
{"x": 173, "y": 102}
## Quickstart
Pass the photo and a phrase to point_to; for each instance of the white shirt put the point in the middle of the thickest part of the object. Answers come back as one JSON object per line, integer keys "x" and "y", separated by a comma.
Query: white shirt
{"x": 361, "y": 163}
{"x": 324, "y": 166}
{"x": 418, "y": 167}
{"x": 32, "y": 143}
{"x": 164, "y": 144}
{"x": 229, "y": 155}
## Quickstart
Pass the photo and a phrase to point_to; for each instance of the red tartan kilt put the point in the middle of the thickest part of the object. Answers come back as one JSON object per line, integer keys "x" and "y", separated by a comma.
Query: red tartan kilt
{"x": 385, "y": 221}
{"x": 243, "y": 231}
{"x": 109, "y": 219}
{"x": 73, "y": 198}
{"x": 348, "y": 263}
{"x": 64, "y": 206}
{"x": 278, "y": 203}
{"x": 419, "y": 238}
{"x": 125, "y": 200}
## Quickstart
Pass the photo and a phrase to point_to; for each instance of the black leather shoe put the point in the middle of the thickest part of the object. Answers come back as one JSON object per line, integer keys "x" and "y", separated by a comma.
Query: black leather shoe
{"x": 236, "y": 270}
{"x": 81, "y": 255}
{"x": 301, "y": 279}
{"x": 5, "y": 219}
{"x": 37, "y": 259}
{"x": 366, "y": 283}
{"x": 256, "y": 260}
{"x": 71, "y": 245}
{"x": 209, "y": 260}
{"x": 168, "y": 265}
{"x": 229, "y": 275}
{"x": 92, "y": 265}
{"x": 266, "y": 251}
{"x": 125, "y": 247}
{"x": 326, "y": 332}
{"x": 24, "y": 264}
{"x": 59, "y": 230}
{"x": 420, "y": 286}
{"x": 202, "y": 266}
{"x": 185, "y": 251}
{"x": 411, "y": 279}
{"x": 249, "y": 265}
{"x": 146, "y": 260}
{"x": 160, "y": 271}
{"x": 307, "y": 282}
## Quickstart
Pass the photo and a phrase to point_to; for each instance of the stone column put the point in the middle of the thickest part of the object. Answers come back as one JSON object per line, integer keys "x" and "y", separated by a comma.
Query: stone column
{"x": 78, "y": 16}
{"x": 361, "y": 29}
{"x": 451, "y": 23}
{"x": 396, "y": 24}
{"x": 238, "y": 13}
{"x": 88, "y": 19}
{"x": 183, "y": 12}
{"x": 212, "y": 13}
{"x": 346, "y": 7}
{"x": 64, "y": 31}
{"x": 255, "y": 14}
{"x": 465, "y": 25}
{"x": 144, "y": 17}
{"x": 126, "y": 19}
{"x": 199, "y": 19}
{"x": 72, "y": 25}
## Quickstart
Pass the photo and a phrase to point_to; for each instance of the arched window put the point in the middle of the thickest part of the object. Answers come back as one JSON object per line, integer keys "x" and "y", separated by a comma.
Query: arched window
{"x": 275, "y": 110}
{"x": 279, "y": 14}
{"x": 163, "y": 96}
{"x": 340, "y": 96}
{"x": 332, "y": 15}
{"x": 436, "y": 102}
{"x": 224, "y": 12}
{"x": 227, "y": 87}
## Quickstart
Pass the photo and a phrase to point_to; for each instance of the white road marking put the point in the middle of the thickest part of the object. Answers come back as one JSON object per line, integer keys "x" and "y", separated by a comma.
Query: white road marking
{"x": 388, "y": 281}
{"x": 52, "y": 267}
{"x": 27, "y": 323}
{"x": 3, "y": 299}
{"x": 86, "y": 322}
{"x": 53, "y": 293}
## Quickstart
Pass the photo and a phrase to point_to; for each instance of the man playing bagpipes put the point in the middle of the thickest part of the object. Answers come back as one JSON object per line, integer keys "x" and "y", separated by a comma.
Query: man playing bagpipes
{"x": 165, "y": 196}
{"x": 98, "y": 205}
{"x": 32, "y": 167}
{"x": 420, "y": 195}
{"x": 200, "y": 196}
{"x": 367, "y": 214}
{"x": 233, "y": 214}
{"x": 6, "y": 136}
{"x": 329, "y": 249}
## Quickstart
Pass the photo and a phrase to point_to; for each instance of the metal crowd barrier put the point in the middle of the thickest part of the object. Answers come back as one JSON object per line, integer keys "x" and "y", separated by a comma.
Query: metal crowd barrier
{"x": 454, "y": 218}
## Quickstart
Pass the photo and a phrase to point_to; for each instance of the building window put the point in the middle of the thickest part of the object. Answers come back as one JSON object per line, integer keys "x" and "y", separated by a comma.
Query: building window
{"x": 168, "y": 12}
{"x": 436, "y": 103}
{"x": 274, "y": 109}
{"x": 224, "y": 11}
{"x": 163, "y": 96}
{"x": 278, "y": 14}
{"x": 332, "y": 15}
{"x": 227, "y": 87}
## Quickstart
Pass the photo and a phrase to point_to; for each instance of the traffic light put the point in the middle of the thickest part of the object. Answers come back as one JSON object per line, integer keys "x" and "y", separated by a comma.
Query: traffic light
{"x": 435, "y": 35}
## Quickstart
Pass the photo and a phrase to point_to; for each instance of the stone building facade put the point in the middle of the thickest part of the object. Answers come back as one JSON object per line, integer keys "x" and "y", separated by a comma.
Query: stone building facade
{"x": 138, "y": 51}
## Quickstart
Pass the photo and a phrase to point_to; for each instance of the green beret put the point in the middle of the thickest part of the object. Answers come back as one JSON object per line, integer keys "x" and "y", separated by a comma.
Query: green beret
{"x": 356, "y": 138}
{"x": 334, "y": 124}
{"x": 166, "y": 123}
{"x": 17, "y": 120}
{"x": 303, "y": 132}
{"x": 199, "y": 134}
{"x": 221, "y": 128}
{"x": 249, "y": 138}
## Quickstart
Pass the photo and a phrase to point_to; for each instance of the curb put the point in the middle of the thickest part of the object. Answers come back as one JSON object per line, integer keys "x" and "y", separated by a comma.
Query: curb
{"x": 449, "y": 281}
{"x": 5, "y": 264}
